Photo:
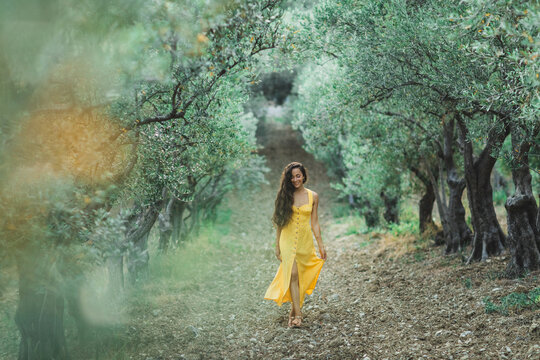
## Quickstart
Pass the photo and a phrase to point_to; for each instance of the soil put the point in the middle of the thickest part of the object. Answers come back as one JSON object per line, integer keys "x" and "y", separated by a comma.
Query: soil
{"x": 367, "y": 303}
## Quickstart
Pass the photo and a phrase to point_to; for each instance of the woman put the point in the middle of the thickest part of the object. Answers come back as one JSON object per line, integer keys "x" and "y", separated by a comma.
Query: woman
{"x": 297, "y": 274}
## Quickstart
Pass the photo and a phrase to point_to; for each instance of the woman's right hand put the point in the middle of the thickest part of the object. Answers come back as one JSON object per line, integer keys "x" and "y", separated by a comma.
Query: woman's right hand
{"x": 278, "y": 253}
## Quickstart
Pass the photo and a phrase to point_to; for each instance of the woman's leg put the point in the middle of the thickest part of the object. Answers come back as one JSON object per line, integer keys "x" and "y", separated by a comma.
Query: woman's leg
{"x": 295, "y": 290}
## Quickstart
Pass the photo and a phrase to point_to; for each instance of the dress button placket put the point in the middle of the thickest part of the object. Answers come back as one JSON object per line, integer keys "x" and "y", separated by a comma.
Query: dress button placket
{"x": 296, "y": 239}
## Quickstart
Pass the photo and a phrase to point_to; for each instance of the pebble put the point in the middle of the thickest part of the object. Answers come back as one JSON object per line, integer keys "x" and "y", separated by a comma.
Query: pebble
{"x": 333, "y": 297}
{"x": 194, "y": 330}
{"x": 534, "y": 329}
{"x": 466, "y": 333}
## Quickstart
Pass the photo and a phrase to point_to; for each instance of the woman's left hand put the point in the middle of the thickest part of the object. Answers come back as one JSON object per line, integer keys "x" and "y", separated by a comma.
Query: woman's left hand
{"x": 322, "y": 251}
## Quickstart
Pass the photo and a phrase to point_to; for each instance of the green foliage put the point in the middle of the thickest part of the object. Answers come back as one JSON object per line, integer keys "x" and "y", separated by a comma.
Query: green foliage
{"x": 340, "y": 211}
{"x": 514, "y": 302}
{"x": 168, "y": 80}
{"x": 403, "y": 228}
{"x": 389, "y": 74}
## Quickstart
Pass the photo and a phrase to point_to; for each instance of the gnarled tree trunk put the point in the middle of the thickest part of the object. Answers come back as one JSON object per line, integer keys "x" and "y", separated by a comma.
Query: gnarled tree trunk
{"x": 137, "y": 237}
{"x": 522, "y": 213}
{"x": 391, "y": 208}
{"x": 178, "y": 208}
{"x": 165, "y": 227}
{"x": 459, "y": 234}
{"x": 489, "y": 240}
{"x": 425, "y": 209}
{"x": 40, "y": 314}
{"x": 425, "y": 205}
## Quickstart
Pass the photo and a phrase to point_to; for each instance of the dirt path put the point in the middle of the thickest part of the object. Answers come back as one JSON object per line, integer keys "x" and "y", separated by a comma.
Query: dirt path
{"x": 364, "y": 306}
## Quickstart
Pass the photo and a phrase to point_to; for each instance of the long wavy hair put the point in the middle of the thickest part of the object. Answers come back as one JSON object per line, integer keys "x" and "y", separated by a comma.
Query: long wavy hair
{"x": 285, "y": 196}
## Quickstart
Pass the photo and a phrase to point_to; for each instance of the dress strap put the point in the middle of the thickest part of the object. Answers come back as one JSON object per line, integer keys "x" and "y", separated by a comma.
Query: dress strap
{"x": 310, "y": 197}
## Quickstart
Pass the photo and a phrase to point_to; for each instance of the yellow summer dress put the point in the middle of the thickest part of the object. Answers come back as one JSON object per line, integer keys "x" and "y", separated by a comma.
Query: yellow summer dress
{"x": 296, "y": 242}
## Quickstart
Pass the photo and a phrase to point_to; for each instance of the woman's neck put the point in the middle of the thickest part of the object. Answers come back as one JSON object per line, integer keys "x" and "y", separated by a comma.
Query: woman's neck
{"x": 300, "y": 189}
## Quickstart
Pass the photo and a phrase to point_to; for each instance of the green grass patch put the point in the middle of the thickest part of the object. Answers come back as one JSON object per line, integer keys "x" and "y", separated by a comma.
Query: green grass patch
{"x": 514, "y": 302}
{"x": 352, "y": 230}
{"x": 403, "y": 228}
{"x": 341, "y": 211}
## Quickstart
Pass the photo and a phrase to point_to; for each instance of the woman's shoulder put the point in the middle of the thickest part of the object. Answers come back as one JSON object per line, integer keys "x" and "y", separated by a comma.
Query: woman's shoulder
{"x": 313, "y": 193}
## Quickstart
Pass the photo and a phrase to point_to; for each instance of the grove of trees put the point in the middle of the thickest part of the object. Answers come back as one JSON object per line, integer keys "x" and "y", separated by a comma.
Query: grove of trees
{"x": 438, "y": 91}
{"x": 123, "y": 116}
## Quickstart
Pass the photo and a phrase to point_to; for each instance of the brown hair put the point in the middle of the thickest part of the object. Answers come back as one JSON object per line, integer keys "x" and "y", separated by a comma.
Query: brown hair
{"x": 285, "y": 196}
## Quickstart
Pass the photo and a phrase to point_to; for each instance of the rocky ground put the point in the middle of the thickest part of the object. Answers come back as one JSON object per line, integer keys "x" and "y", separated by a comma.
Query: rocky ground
{"x": 369, "y": 303}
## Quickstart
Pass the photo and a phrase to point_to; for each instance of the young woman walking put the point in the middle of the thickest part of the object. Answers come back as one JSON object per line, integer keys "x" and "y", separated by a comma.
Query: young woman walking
{"x": 295, "y": 208}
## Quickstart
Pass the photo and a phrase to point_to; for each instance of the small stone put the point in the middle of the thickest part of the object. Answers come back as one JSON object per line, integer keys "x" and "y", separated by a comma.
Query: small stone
{"x": 333, "y": 297}
{"x": 372, "y": 288}
{"x": 253, "y": 340}
{"x": 156, "y": 312}
{"x": 466, "y": 333}
{"x": 194, "y": 330}
{"x": 533, "y": 351}
{"x": 534, "y": 330}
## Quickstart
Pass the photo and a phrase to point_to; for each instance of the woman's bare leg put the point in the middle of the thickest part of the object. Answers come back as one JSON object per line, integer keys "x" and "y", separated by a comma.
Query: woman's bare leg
{"x": 295, "y": 290}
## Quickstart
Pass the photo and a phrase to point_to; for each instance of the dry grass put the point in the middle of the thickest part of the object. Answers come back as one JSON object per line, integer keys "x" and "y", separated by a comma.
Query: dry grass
{"x": 395, "y": 246}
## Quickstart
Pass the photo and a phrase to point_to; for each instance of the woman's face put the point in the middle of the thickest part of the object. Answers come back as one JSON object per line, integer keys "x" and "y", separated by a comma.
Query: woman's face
{"x": 297, "y": 178}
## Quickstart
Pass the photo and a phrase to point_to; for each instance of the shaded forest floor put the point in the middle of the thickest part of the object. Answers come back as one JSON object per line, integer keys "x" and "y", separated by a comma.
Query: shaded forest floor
{"x": 369, "y": 302}
{"x": 378, "y": 296}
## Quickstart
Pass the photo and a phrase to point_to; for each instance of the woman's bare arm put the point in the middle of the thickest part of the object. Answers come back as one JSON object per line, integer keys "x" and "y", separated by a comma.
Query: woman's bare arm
{"x": 278, "y": 250}
{"x": 315, "y": 227}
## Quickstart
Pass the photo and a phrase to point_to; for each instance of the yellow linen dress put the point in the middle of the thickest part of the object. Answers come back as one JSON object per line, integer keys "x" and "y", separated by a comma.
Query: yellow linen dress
{"x": 296, "y": 242}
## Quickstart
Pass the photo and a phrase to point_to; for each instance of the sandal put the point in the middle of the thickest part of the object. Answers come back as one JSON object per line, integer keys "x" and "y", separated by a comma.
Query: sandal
{"x": 297, "y": 321}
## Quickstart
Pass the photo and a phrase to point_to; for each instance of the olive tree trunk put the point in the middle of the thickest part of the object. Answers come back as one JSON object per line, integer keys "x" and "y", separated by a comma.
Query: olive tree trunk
{"x": 522, "y": 213}
{"x": 456, "y": 232}
{"x": 178, "y": 208}
{"x": 40, "y": 314}
{"x": 165, "y": 226}
{"x": 460, "y": 234}
{"x": 489, "y": 240}
{"x": 391, "y": 208}
{"x": 425, "y": 205}
{"x": 137, "y": 238}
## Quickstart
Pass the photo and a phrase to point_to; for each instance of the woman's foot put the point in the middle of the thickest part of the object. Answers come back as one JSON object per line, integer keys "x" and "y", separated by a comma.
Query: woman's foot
{"x": 291, "y": 317}
{"x": 297, "y": 321}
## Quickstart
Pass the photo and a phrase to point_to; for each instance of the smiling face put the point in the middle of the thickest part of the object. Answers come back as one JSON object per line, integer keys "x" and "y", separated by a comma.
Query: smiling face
{"x": 297, "y": 178}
